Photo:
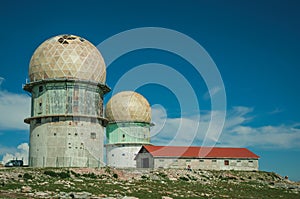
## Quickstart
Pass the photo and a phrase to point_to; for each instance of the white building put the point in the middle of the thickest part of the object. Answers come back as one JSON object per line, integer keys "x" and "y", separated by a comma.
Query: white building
{"x": 129, "y": 116}
{"x": 208, "y": 158}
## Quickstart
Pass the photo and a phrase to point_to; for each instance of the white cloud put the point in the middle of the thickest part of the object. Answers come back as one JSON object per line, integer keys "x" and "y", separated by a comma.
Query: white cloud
{"x": 211, "y": 93}
{"x": 236, "y": 132}
{"x": 14, "y": 108}
{"x": 21, "y": 153}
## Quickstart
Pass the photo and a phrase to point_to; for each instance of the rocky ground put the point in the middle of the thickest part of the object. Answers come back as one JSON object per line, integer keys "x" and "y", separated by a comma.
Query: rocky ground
{"x": 162, "y": 183}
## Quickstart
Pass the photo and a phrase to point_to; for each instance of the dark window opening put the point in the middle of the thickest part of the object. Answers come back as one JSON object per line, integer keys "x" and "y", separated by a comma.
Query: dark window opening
{"x": 123, "y": 135}
{"x": 201, "y": 160}
{"x": 38, "y": 135}
{"x": 38, "y": 120}
{"x": 41, "y": 89}
{"x": 250, "y": 161}
{"x": 54, "y": 134}
{"x": 226, "y": 162}
{"x": 93, "y": 120}
{"x": 55, "y": 119}
{"x": 214, "y": 160}
{"x": 76, "y": 134}
{"x": 238, "y": 161}
{"x": 112, "y": 155}
{"x": 93, "y": 135}
{"x": 123, "y": 154}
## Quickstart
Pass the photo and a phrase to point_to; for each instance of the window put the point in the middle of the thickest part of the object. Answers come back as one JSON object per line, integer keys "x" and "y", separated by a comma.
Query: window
{"x": 250, "y": 161}
{"x": 38, "y": 120}
{"x": 201, "y": 160}
{"x": 93, "y": 135}
{"x": 54, "y": 134}
{"x": 161, "y": 160}
{"x": 93, "y": 120}
{"x": 238, "y": 161}
{"x": 41, "y": 89}
{"x": 112, "y": 155}
{"x": 123, "y": 136}
{"x": 123, "y": 154}
{"x": 214, "y": 160}
{"x": 55, "y": 119}
{"x": 188, "y": 160}
{"x": 226, "y": 162}
{"x": 76, "y": 134}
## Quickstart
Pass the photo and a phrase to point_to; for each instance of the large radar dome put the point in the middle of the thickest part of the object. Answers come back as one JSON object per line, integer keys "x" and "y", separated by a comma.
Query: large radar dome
{"x": 128, "y": 106}
{"x": 67, "y": 56}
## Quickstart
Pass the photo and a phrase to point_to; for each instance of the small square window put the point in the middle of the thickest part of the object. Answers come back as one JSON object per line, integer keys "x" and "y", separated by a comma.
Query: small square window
{"x": 214, "y": 160}
{"x": 238, "y": 161}
{"x": 93, "y": 135}
{"x": 250, "y": 161}
{"x": 54, "y": 134}
{"x": 38, "y": 120}
{"x": 226, "y": 162}
{"x": 123, "y": 154}
{"x": 112, "y": 155}
{"x": 201, "y": 160}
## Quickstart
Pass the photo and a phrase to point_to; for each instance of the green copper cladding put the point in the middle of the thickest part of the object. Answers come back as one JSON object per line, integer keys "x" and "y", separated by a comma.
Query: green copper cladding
{"x": 128, "y": 132}
{"x": 65, "y": 97}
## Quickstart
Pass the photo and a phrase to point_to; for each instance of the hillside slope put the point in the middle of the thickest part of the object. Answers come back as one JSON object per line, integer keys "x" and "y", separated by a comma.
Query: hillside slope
{"x": 162, "y": 183}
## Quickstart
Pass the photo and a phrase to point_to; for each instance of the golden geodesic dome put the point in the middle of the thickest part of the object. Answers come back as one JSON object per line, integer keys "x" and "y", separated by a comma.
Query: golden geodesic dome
{"x": 67, "y": 56}
{"x": 128, "y": 106}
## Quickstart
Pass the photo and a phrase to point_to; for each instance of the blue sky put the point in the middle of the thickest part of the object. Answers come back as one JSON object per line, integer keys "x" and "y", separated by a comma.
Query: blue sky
{"x": 254, "y": 44}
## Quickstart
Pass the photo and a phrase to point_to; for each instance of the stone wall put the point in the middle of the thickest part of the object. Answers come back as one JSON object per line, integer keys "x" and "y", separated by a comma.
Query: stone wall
{"x": 213, "y": 164}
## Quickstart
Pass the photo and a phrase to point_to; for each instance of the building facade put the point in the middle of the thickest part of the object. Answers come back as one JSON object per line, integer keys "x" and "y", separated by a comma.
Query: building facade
{"x": 207, "y": 158}
{"x": 67, "y": 85}
{"x": 129, "y": 116}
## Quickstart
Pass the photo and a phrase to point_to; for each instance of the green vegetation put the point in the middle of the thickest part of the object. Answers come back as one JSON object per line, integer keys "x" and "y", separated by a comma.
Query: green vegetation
{"x": 57, "y": 174}
{"x": 108, "y": 182}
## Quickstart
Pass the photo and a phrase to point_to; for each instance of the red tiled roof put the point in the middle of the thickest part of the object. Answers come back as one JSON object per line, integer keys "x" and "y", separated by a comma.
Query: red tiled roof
{"x": 199, "y": 152}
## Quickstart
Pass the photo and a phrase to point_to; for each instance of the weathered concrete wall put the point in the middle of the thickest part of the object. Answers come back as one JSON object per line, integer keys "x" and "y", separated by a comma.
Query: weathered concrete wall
{"x": 124, "y": 140}
{"x": 122, "y": 156}
{"x": 213, "y": 164}
{"x": 66, "y": 124}
{"x": 66, "y": 144}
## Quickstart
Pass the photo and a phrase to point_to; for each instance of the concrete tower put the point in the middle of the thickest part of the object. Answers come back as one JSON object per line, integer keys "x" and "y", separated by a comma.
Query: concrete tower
{"x": 129, "y": 116}
{"x": 67, "y": 84}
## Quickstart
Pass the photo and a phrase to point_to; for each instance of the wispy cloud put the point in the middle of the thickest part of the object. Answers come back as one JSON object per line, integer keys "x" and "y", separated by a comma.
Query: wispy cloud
{"x": 13, "y": 108}
{"x": 211, "y": 93}
{"x": 275, "y": 111}
{"x": 20, "y": 153}
{"x": 237, "y": 131}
